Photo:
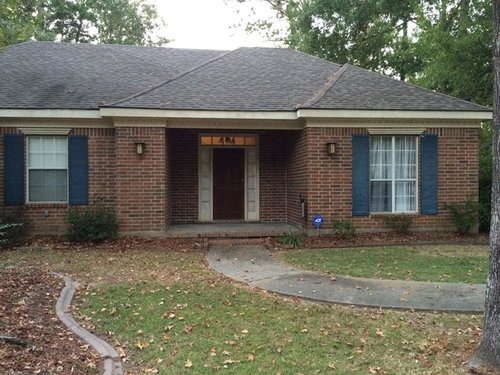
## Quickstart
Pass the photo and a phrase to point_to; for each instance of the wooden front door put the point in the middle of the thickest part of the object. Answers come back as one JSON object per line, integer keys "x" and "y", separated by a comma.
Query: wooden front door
{"x": 228, "y": 183}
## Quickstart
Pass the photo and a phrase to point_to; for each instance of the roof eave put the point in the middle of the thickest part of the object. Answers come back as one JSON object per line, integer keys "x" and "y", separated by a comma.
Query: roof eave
{"x": 109, "y": 112}
{"x": 198, "y": 114}
{"x": 394, "y": 114}
{"x": 50, "y": 113}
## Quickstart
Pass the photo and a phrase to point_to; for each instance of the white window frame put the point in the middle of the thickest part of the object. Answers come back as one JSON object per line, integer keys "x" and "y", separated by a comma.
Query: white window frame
{"x": 36, "y": 135}
{"x": 393, "y": 179}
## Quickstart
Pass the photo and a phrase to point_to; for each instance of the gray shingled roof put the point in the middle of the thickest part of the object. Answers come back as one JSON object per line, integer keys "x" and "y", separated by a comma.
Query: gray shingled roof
{"x": 40, "y": 75}
{"x": 83, "y": 76}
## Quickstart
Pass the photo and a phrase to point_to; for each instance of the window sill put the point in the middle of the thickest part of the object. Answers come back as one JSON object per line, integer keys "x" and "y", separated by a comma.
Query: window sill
{"x": 47, "y": 204}
{"x": 414, "y": 213}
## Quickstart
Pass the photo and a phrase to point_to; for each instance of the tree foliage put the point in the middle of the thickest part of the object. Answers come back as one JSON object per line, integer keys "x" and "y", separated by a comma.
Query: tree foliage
{"x": 455, "y": 47}
{"x": 101, "y": 21}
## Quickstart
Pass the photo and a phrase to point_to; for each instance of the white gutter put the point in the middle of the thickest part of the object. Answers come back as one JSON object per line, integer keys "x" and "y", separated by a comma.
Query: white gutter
{"x": 169, "y": 113}
{"x": 51, "y": 113}
{"x": 397, "y": 115}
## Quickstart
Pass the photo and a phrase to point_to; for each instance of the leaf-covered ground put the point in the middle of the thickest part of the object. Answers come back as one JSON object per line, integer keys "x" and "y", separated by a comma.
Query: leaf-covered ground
{"x": 27, "y": 313}
{"x": 166, "y": 312}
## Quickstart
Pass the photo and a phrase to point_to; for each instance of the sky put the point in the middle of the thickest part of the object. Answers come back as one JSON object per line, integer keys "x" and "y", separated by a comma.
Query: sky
{"x": 209, "y": 24}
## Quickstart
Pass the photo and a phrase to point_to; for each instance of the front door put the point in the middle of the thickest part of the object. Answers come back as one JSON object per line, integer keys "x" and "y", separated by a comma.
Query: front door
{"x": 228, "y": 183}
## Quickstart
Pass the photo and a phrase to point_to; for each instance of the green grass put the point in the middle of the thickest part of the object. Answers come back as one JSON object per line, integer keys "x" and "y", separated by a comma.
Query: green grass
{"x": 219, "y": 326}
{"x": 165, "y": 309}
{"x": 459, "y": 263}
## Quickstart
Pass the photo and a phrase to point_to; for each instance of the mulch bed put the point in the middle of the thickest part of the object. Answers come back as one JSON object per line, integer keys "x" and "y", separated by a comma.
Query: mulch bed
{"x": 391, "y": 238}
{"x": 27, "y": 312}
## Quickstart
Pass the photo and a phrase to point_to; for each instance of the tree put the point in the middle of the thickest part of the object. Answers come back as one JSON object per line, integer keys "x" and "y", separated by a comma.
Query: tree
{"x": 372, "y": 34}
{"x": 455, "y": 46}
{"x": 489, "y": 351}
{"x": 82, "y": 21}
{"x": 17, "y": 23}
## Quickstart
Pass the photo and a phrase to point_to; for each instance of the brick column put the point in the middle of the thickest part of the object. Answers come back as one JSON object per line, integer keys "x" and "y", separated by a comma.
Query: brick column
{"x": 141, "y": 180}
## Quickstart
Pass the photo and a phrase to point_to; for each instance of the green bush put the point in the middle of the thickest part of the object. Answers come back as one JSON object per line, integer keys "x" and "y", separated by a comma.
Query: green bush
{"x": 344, "y": 228}
{"x": 12, "y": 229}
{"x": 91, "y": 224}
{"x": 464, "y": 214}
{"x": 399, "y": 223}
{"x": 293, "y": 239}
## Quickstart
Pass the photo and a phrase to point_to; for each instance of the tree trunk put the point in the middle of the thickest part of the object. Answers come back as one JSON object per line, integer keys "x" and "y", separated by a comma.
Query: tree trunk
{"x": 489, "y": 351}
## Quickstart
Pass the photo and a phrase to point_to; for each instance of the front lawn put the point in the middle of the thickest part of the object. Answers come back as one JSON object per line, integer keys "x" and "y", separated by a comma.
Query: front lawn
{"x": 166, "y": 312}
{"x": 447, "y": 263}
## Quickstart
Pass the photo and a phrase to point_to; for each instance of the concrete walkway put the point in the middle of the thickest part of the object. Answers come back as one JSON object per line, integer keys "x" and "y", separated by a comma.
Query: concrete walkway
{"x": 109, "y": 356}
{"x": 254, "y": 265}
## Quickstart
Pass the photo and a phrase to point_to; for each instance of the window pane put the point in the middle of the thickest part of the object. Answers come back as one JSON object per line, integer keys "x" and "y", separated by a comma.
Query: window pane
{"x": 250, "y": 141}
{"x": 48, "y": 185}
{"x": 381, "y": 158}
{"x": 381, "y": 196}
{"x": 405, "y": 196}
{"x": 47, "y": 152}
{"x": 239, "y": 141}
{"x": 405, "y": 143}
{"x": 206, "y": 141}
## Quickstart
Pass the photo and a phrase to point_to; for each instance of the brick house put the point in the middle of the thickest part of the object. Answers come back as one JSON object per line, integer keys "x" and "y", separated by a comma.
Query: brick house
{"x": 168, "y": 136}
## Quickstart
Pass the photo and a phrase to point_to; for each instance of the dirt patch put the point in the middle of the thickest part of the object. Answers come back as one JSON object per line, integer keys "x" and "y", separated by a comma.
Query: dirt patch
{"x": 27, "y": 312}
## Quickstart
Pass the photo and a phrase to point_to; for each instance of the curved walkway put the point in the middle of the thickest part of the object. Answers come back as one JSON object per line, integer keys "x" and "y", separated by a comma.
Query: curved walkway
{"x": 254, "y": 265}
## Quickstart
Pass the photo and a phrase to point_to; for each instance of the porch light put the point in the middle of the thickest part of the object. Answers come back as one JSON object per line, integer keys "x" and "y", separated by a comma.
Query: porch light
{"x": 331, "y": 148}
{"x": 139, "y": 148}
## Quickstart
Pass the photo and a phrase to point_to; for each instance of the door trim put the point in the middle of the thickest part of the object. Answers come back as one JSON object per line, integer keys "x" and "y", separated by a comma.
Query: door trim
{"x": 205, "y": 170}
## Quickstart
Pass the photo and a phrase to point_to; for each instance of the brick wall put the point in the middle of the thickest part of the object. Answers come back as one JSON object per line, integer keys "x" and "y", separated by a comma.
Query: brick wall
{"x": 184, "y": 175}
{"x": 49, "y": 218}
{"x": 141, "y": 200}
{"x": 296, "y": 183}
{"x": 161, "y": 186}
{"x": 272, "y": 171}
{"x": 329, "y": 177}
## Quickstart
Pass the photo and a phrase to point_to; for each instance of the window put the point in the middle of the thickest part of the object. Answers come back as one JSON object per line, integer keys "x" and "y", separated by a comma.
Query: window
{"x": 47, "y": 161}
{"x": 393, "y": 174}
{"x": 221, "y": 140}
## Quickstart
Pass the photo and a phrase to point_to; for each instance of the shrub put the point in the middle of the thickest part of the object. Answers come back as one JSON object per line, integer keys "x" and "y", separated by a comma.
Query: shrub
{"x": 464, "y": 214}
{"x": 344, "y": 228}
{"x": 12, "y": 228}
{"x": 293, "y": 239}
{"x": 399, "y": 223}
{"x": 91, "y": 224}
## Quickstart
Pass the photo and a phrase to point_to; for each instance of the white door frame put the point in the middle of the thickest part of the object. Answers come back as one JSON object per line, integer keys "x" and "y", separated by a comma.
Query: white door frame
{"x": 205, "y": 177}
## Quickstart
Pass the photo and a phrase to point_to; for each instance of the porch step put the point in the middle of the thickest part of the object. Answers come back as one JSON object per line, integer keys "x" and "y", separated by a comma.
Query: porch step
{"x": 242, "y": 230}
{"x": 239, "y": 241}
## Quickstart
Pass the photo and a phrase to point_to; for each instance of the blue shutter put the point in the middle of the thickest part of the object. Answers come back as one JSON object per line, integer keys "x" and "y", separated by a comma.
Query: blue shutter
{"x": 360, "y": 175}
{"x": 78, "y": 167}
{"x": 429, "y": 174}
{"x": 13, "y": 156}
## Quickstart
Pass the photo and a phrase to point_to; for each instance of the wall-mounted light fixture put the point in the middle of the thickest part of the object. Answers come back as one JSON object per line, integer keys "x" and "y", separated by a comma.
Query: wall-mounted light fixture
{"x": 139, "y": 148}
{"x": 331, "y": 148}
